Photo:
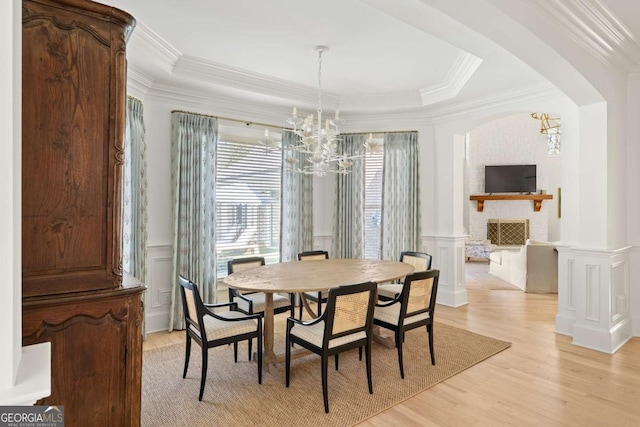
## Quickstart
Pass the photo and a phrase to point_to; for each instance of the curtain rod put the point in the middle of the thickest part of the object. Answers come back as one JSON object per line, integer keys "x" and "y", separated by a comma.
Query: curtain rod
{"x": 249, "y": 122}
{"x": 246, "y": 122}
{"x": 378, "y": 133}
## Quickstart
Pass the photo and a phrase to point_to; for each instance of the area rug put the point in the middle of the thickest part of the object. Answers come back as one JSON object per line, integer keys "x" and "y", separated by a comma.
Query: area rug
{"x": 233, "y": 397}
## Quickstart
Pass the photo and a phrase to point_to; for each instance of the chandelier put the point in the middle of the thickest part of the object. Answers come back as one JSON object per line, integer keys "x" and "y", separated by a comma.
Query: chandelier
{"x": 315, "y": 151}
{"x": 549, "y": 126}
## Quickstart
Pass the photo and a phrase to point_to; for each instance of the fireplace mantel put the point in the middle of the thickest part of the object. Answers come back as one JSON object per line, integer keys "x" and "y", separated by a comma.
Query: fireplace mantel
{"x": 537, "y": 199}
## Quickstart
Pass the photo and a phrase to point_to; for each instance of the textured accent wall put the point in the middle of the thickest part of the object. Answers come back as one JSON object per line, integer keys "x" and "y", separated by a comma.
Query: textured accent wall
{"x": 513, "y": 139}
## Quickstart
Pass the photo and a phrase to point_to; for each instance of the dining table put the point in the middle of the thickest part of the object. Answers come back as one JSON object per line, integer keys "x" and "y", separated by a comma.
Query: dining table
{"x": 308, "y": 276}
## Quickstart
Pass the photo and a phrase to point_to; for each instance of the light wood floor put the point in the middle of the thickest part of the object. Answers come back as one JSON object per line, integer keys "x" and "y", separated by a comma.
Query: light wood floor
{"x": 542, "y": 380}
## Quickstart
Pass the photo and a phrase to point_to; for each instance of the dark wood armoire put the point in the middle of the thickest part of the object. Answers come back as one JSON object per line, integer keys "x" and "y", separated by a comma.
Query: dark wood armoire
{"x": 74, "y": 295}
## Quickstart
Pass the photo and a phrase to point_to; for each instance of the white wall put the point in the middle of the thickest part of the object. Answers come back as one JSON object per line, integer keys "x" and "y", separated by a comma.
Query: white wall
{"x": 514, "y": 139}
{"x": 10, "y": 223}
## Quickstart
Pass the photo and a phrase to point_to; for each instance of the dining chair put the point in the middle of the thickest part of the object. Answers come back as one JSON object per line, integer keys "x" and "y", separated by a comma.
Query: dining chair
{"x": 317, "y": 297}
{"x": 345, "y": 324}
{"x": 421, "y": 261}
{"x": 254, "y": 302}
{"x": 412, "y": 308}
{"x": 209, "y": 328}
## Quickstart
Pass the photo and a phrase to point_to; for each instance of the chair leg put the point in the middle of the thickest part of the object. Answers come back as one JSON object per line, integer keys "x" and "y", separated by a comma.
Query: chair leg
{"x": 360, "y": 353}
{"x": 336, "y": 359}
{"x": 430, "y": 332}
{"x": 250, "y": 345}
{"x": 186, "y": 356}
{"x": 260, "y": 354}
{"x": 325, "y": 362}
{"x": 203, "y": 375}
{"x": 287, "y": 360}
{"x": 368, "y": 362}
{"x": 235, "y": 352}
{"x": 399, "y": 337}
{"x": 319, "y": 304}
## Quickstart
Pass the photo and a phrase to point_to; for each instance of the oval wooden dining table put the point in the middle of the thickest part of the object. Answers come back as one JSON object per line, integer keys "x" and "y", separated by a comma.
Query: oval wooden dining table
{"x": 309, "y": 276}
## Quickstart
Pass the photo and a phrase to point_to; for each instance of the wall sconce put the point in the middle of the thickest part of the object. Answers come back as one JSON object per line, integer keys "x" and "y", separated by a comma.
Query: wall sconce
{"x": 550, "y": 126}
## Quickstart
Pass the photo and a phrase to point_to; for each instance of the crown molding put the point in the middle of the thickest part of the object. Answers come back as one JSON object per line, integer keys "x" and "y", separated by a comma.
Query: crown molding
{"x": 148, "y": 45}
{"x": 216, "y": 73}
{"x": 462, "y": 69}
{"x": 501, "y": 101}
{"x": 218, "y": 104}
{"x": 229, "y": 106}
{"x": 595, "y": 28}
{"x": 138, "y": 79}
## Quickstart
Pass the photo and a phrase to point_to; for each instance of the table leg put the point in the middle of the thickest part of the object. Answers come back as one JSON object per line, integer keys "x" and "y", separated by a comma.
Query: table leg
{"x": 307, "y": 306}
{"x": 384, "y": 339}
{"x": 269, "y": 356}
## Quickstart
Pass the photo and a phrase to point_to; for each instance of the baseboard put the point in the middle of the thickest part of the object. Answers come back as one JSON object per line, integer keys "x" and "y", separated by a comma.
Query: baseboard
{"x": 156, "y": 322}
{"x": 451, "y": 299}
{"x": 607, "y": 341}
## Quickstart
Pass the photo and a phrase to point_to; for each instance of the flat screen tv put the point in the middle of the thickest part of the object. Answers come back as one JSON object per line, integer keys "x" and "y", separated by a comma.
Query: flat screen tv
{"x": 510, "y": 179}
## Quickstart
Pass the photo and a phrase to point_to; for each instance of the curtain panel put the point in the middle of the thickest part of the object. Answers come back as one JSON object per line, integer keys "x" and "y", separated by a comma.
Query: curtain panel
{"x": 400, "y": 196}
{"x": 193, "y": 161}
{"x": 134, "y": 218}
{"x": 296, "y": 228}
{"x": 348, "y": 218}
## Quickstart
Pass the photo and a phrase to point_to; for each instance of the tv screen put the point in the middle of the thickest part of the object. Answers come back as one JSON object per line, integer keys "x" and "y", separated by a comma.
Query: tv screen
{"x": 510, "y": 179}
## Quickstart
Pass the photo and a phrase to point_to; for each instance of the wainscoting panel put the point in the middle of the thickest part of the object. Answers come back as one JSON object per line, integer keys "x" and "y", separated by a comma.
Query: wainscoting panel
{"x": 619, "y": 291}
{"x": 566, "y": 317}
{"x": 592, "y": 293}
{"x": 158, "y": 299}
{"x": 571, "y": 305}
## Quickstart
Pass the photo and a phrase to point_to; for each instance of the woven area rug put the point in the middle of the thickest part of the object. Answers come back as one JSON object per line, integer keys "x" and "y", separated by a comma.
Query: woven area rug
{"x": 233, "y": 397}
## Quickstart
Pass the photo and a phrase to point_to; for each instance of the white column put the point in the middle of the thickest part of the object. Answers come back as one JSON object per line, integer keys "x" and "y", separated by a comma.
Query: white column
{"x": 447, "y": 243}
{"x": 593, "y": 272}
{"x": 633, "y": 196}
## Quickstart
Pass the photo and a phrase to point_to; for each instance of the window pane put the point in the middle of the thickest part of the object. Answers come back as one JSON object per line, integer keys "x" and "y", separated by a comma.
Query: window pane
{"x": 373, "y": 204}
{"x": 247, "y": 203}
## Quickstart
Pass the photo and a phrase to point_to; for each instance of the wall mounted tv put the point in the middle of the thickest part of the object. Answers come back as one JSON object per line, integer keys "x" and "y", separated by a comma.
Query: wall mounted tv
{"x": 510, "y": 179}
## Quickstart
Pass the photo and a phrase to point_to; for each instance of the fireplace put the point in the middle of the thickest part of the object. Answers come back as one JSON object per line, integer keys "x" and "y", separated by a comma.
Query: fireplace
{"x": 512, "y": 232}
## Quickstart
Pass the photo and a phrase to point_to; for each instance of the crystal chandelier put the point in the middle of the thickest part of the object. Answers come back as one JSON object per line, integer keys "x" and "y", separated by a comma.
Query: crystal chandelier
{"x": 317, "y": 144}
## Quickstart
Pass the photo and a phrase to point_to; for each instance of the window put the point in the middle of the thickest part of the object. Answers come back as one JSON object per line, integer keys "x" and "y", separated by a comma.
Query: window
{"x": 373, "y": 204}
{"x": 247, "y": 201}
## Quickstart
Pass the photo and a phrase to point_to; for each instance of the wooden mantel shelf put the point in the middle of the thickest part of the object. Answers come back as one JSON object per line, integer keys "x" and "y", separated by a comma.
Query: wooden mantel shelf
{"x": 537, "y": 199}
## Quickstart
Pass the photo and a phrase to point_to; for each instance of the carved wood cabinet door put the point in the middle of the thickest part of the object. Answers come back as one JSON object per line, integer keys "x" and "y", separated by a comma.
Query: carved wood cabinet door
{"x": 73, "y": 101}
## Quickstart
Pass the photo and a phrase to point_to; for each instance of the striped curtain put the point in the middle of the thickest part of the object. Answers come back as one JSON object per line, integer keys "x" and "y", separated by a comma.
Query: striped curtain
{"x": 296, "y": 228}
{"x": 400, "y": 195}
{"x": 193, "y": 161}
{"x": 348, "y": 218}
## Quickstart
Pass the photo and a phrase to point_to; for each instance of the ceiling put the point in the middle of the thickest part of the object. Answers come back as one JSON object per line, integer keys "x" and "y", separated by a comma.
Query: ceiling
{"x": 383, "y": 55}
